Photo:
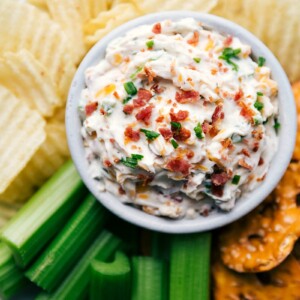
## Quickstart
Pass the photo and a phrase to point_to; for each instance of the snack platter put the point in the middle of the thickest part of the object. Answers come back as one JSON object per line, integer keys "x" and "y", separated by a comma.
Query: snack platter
{"x": 45, "y": 210}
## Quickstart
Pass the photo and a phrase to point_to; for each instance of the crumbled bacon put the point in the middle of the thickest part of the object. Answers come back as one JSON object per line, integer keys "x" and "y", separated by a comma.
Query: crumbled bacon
{"x": 187, "y": 96}
{"x": 255, "y": 147}
{"x": 160, "y": 119}
{"x": 228, "y": 41}
{"x": 157, "y": 89}
{"x": 166, "y": 133}
{"x": 219, "y": 178}
{"x": 189, "y": 154}
{"x": 182, "y": 134}
{"x": 218, "y": 114}
{"x": 179, "y": 165}
{"x": 227, "y": 143}
{"x": 128, "y": 108}
{"x": 144, "y": 115}
{"x": 138, "y": 102}
{"x": 133, "y": 135}
{"x": 117, "y": 96}
{"x": 206, "y": 127}
{"x": 261, "y": 161}
{"x": 217, "y": 190}
{"x": 144, "y": 94}
{"x": 149, "y": 73}
{"x": 90, "y": 108}
{"x": 246, "y": 111}
{"x": 121, "y": 191}
{"x": 195, "y": 39}
{"x": 112, "y": 140}
{"x": 107, "y": 163}
{"x": 238, "y": 95}
{"x": 179, "y": 116}
{"x": 156, "y": 28}
{"x": 245, "y": 152}
{"x": 245, "y": 165}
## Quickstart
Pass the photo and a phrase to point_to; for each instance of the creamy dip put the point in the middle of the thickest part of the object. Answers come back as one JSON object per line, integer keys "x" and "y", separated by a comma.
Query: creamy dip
{"x": 178, "y": 119}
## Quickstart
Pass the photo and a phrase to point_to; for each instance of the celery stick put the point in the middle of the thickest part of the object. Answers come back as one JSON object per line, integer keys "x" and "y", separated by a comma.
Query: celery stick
{"x": 111, "y": 280}
{"x": 149, "y": 279}
{"x": 76, "y": 284}
{"x": 43, "y": 216}
{"x": 68, "y": 246}
{"x": 190, "y": 266}
{"x": 11, "y": 278}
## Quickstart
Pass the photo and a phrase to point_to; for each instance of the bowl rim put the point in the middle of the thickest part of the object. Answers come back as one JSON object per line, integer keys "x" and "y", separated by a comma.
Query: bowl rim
{"x": 279, "y": 163}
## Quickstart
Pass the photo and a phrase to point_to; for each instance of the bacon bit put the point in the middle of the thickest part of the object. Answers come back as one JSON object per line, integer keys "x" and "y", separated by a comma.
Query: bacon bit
{"x": 257, "y": 134}
{"x": 261, "y": 179}
{"x": 255, "y": 147}
{"x": 189, "y": 154}
{"x": 107, "y": 163}
{"x": 138, "y": 103}
{"x": 116, "y": 95}
{"x": 187, "y": 96}
{"x": 102, "y": 111}
{"x": 246, "y": 111}
{"x": 218, "y": 114}
{"x": 245, "y": 152}
{"x": 93, "y": 134}
{"x": 238, "y": 95}
{"x": 133, "y": 135}
{"x": 166, "y": 133}
{"x": 121, "y": 191}
{"x": 179, "y": 165}
{"x": 116, "y": 160}
{"x": 150, "y": 74}
{"x": 228, "y": 41}
{"x": 181, "y": 135}
{"x": 217, "y": 190}
{"x": 179, "y": 116}
{"x": 195, "y": 39}
{"x": 261, "y": 161}
{"x": 243, "y": 164}
{"x": 206, "y": 127}
{"x": 191, "y": 67}
{"x": 157, "y": 89}
{"x": 227, "y": 143}
{"x": 112, "y": 140}
{"x": 90, "y": 108}
{"x": 213, "y": 71}
{"x": 219, "y": 178}
{"x": 156, "y": 28}
{"x": 144, "y": 115}
{"x": 213, "y": 131}
{"x": 128, "y": 109}
{"x": 144, "y": 94}
{"x": 160, "y": 119}
{"x": 127, "y": 59}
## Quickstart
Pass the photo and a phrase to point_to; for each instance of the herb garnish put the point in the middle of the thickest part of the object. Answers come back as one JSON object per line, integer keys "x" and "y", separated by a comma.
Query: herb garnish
{"x": 197, "y": 59}
{"x": 236, "y": 179}
{"x": 276, "y": 125}
{"x": 138, "y": 70}
{"x": 150, "y": 135}
{"x": 176, "y": 125}
{"x": 150, "y": 44}
{"x": 258, "y": 105}
{"x": 228, "y": 54}
{"x": 132, "y": 161}
{"x": 261, "y": 61}
{"x": 259, "y": 94}
{"x": 126, "y": 100}
{"x": 174, "y": 144}
{"x": 130, "y": 88}
{"x": 198, "y": 131}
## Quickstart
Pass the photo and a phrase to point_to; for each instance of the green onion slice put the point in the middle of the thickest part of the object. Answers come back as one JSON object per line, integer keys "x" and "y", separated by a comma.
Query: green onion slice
{"x": 150, "y": 135}
{"x": 261, "y": 61}
{"x": 174, "y": 144}
{"x": 236, "y": 179}
{"x": 198, "y": 131}
{"x": 130, "y": 88}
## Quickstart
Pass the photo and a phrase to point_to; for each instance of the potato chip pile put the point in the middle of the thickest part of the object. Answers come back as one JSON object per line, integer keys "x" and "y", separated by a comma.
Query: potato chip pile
{"x": 41, "y": 44}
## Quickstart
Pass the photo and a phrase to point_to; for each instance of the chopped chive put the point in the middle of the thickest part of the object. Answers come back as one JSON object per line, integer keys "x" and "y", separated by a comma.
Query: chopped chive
{"x": 150, "y": 135}
{"x": 228, "y": 54}
{"x": 130, "y": 88}
{"x": 236, "y": 179}
{"x": 137, "y": 156}
{"x": 198, "y": 131}
{"x": 127, "y": 100}
{"x": 261, "y": 61}
{"x": 258, "y": 105}
{"x": 256, "y": 121}
{"x": 174, "y": 144}
{"x": 259, "y": 94}
{"x": 197, "y": 59}
{"x": 129, "y": 162}
{"x": 150, "y": 44}
{"x": 276, "y": 125}
{"x": 138, "y": 70}
{"x": 176, "y": 125}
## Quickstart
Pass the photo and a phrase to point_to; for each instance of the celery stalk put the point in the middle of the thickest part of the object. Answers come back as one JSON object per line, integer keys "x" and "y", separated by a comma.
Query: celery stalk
{"x": 76, "y": 284}
{"x": 63, "y": 252}
{"x": 149, "y": 279}
{"x": 111, "y": 280}
{"x": 190, "y": 266}
{"x": 42, "y": 217}
{"x": 11, "y": 278}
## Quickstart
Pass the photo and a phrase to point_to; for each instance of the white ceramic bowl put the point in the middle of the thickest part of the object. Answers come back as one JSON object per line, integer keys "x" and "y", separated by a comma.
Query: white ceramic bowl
{"x": 247, "y": 202}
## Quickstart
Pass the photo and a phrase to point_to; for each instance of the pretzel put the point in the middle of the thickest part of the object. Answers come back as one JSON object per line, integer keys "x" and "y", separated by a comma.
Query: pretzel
{"x": 263, "y": 239}
{"x": 281, "y": 283}
{"x": 296, "y": 90}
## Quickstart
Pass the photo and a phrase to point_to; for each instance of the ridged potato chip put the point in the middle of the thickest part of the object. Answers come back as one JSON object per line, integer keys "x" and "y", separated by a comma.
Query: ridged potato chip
{"x": 41, "y": 4}
{"x": 25, "y": 77}
{"x": 275, "y": 22}
{"x": 67, "y": 14}
{"x": 23, "y": 26}
{"x": 108, "y": 20}
{"x": 22, "y": 132}
{"x": 262, "y": 239}
{"x": 47, "y": 159}
{"x": 281, "y": 283}
{"x": 97, "y": 6}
